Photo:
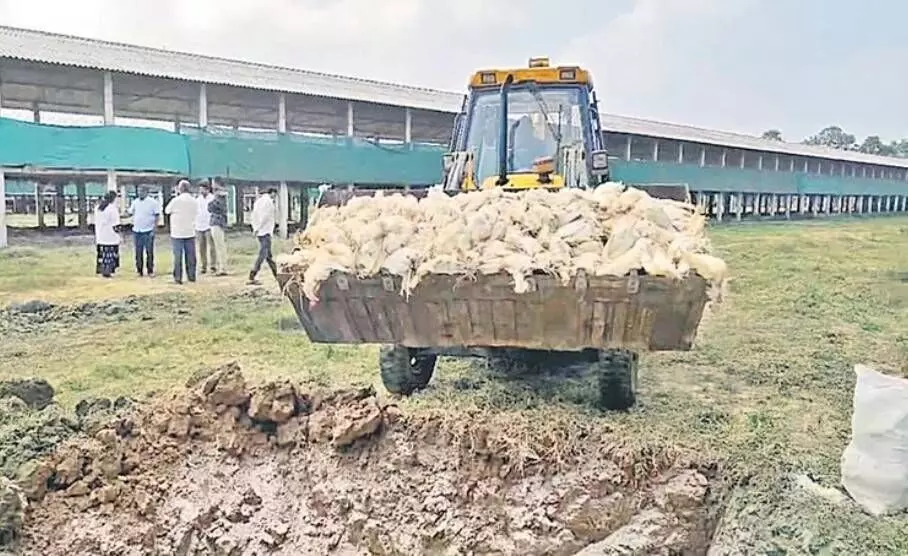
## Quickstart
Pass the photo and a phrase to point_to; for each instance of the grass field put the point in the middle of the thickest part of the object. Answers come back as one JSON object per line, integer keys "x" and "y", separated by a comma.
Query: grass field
{"x": 767, "y": 390}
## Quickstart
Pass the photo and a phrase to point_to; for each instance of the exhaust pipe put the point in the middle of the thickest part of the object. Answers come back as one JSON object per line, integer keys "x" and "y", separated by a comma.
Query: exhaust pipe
{"x": 503, "y": 133}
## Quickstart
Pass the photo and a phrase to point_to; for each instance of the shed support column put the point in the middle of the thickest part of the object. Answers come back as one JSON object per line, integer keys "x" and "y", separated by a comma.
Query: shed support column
{"x": 304, "y": 207}
{"x": 283, "y": 209}
{"x": 774, "y": 204}
{"x": 350, "y": 118}
{"x": 239, "y": 202}
{"x": 281, "y": 113}
{"x": 888, "y": 203}
{"x": 109, "y": 120}
{"x": 628, "y": 146}
{"x": 408, "y": 126}
{"x": 4, "y": 238}
{"x": 702, "y": 157}
{"x": 203, "y": 106}
{"x": 739, "y": 205}
{"x": 82, "y": 205}
{"x": 60, "y": 204}
{"x": 39, "y": 204}
{"x": 720, "y": 205}
{"x": 655, "y": 150}
{"x": 788, "y": 207}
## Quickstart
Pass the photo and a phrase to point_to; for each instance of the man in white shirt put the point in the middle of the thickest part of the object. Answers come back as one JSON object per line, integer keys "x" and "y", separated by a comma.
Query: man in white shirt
{"x": 203, "y": 229}
{"x": 144, "y": 211}
{"x": 183, "y": 210}
{"x": 263, "y": 220}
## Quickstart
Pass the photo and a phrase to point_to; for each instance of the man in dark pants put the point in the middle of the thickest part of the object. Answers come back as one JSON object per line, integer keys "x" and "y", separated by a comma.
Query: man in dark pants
{"x": 263, "y": 220}
{"x": 144, "y": 211}
{"x": 183, "y": 210}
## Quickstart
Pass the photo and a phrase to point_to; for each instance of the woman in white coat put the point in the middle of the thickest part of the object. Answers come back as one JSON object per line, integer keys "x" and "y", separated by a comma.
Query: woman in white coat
{"x": 107, "y": 239}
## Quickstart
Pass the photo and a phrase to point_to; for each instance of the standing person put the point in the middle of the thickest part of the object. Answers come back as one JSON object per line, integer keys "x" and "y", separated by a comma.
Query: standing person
{"x": 218, "y": 211}
{"x": 203, "y": 228}
{"x": 263, "y": 220}
{"x": 183, "y": 210}
{"x": 144, "y": 211}
{"x": 107, "y": 239}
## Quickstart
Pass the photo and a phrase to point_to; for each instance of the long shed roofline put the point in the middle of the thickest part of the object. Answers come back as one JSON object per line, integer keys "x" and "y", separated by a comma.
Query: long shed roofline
{"x": 68, "y": 50}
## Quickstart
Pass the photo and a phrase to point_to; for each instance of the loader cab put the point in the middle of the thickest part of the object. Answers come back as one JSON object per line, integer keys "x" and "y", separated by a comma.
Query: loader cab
{"x": 526, "y": 128}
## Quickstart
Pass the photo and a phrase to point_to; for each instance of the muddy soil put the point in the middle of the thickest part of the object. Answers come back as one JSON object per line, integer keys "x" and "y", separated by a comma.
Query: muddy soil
{"x": 37, "y": 316}
{"x": 225, "y": 468}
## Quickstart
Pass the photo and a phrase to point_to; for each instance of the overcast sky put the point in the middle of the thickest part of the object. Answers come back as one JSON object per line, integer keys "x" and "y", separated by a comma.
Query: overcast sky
{"x": 737, "y": 65}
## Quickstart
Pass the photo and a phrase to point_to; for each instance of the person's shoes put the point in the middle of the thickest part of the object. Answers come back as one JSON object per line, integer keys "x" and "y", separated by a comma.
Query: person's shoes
{"x": 221, "y": 274}
{"x": 253, "y": 282}
{"x": 214, "y": 270}
{"x": 203, "y": 271}
{"x": 151, "y": 274}
{"x": 141, "y": 275}
{"x": 178, "y": 282}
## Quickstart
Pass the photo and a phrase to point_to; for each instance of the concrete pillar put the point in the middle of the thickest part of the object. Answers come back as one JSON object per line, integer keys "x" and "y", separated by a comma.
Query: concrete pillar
{"x": 82, "y": 204}
{"x": 350, "y": 118}
{"x": 108, "y": 99}
{"x": 408, "y": 128}
{"x": 788, "y": 206}
{"x": 739, "y": 205}
{"x": 60, "y": 204}
{"x": 304, "y": 207}
{"x": 203, "y": 106}
{"x": 888, "y": 203}
{"x": 283, "y": 209}
{"x": 281, "y": 113}
{"x": 4, "y": 237}
{"x": 109, "y": 119}
{"x": 720, "y": 205}
{"x": 239, "y": 191}
{"x": 39, "y": 204}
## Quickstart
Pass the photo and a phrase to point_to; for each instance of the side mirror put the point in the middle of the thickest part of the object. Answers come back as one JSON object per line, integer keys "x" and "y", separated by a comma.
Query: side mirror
{"x": 599, "y": 162}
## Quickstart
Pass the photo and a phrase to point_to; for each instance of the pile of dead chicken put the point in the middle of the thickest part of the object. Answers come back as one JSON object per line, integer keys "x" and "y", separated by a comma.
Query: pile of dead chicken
{"x": 608, "y": 231}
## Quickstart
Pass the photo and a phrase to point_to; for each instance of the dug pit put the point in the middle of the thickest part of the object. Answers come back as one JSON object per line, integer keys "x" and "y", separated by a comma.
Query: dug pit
{"x": 225, "y": 468}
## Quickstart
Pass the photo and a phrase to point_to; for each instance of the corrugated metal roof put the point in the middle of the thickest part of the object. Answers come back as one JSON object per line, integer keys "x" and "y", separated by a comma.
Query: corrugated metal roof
{"x": 623, "y": 124}
{"x": 40, "y": 46}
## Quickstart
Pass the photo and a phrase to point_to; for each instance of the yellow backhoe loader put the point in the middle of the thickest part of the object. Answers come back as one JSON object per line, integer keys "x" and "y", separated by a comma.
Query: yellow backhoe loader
{"x": 533, "y": 127}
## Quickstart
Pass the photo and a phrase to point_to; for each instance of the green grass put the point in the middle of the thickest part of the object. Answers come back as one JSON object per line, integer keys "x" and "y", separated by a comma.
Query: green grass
{"x": 767, "y": 390}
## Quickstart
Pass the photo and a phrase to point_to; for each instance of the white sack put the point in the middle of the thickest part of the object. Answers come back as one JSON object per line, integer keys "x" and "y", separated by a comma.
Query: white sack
{"x": 875, "y": 462}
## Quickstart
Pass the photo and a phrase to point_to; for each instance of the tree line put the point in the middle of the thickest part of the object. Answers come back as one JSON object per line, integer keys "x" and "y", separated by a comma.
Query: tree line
{"x": 834, "y": 137}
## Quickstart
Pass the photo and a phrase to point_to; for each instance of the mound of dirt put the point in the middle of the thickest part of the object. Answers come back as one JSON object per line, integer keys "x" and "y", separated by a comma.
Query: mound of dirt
{"x": 225, "y": 468}
{"x": 36, "y": 393}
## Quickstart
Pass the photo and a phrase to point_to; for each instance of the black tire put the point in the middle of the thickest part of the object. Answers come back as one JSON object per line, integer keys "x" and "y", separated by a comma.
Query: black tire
{"x": 404, "y": 371}
{"x": 617, "y": 379}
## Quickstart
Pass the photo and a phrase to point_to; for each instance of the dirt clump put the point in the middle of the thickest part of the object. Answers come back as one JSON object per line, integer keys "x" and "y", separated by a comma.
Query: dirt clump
{"x": 12, "y": 509}
{"x": 281, "y": 468}
{"x": 35, "y": 392}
